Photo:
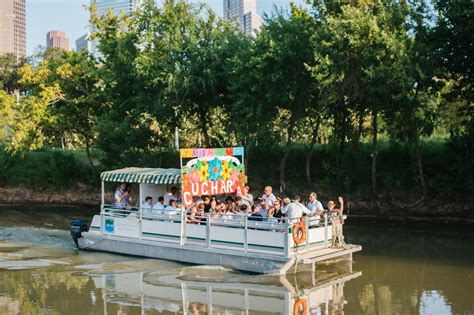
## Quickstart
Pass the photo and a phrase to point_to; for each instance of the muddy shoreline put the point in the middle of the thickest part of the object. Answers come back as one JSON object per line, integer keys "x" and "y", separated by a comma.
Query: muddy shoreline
{"x": 413, "y": 209}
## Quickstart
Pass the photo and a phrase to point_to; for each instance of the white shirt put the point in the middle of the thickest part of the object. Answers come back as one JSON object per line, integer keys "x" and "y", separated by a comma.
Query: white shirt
{"x": 270, "y": 200}
{"x": 168, "y": 197}
{"x": 146, "y": 206}
{"x": 158, "y": 206}
{"x": 295, "y": 210}
{"x": 315, "y": 206}
{"x": 169, "y": 210}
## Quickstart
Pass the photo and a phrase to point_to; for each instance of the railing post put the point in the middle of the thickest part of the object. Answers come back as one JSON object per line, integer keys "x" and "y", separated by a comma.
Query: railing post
{"x": 287, "y": 239}
{"x": 140, "y": 220}
{"x": 326, "y": 230}
{"x": 246, "y": 240}
{"x": 102, "y": 221}
{"x": 208, "y": 229}
{"x": 307, "y": 232}
{"x": 183, "y": 227}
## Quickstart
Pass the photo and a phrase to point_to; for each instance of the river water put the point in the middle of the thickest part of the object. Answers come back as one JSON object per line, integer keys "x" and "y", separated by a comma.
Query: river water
{"x": 406, "y": 267}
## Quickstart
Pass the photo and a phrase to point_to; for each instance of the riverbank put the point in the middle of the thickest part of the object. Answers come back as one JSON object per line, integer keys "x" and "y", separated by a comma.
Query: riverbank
{"x": 417, "y": 209}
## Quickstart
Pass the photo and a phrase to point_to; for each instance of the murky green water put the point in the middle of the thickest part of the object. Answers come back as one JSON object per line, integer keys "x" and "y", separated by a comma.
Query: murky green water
{"x": 405, "y": 268}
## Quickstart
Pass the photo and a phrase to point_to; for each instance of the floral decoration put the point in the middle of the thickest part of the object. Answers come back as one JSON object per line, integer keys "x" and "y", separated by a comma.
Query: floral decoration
{"x": 215, "y": 169}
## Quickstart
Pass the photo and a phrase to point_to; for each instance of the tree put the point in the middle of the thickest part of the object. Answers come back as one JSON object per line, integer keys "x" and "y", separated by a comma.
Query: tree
{"x": 359, "y": 55}
{"x": 9, "y": 77}
{"x": 283, "y": 53}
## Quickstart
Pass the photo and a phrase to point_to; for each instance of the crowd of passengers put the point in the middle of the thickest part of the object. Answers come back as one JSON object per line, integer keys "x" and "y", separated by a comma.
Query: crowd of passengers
{"x": 267, "y": 208}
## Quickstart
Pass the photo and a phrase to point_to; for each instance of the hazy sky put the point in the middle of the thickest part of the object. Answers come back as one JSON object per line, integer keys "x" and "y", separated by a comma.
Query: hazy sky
{"x": 70, "y": 16}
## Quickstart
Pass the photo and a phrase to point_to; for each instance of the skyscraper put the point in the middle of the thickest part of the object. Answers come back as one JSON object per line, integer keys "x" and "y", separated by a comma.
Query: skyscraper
{"x": 127, "y": 6}
{"x": 13, "y": 27}
{"x": 117, "y": 6}
{"x": 243, "y": 13}
{"x": 57, "y": 39}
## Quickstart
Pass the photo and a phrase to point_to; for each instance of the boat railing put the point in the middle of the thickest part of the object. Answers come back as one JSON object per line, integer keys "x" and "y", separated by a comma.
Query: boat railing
{"x": 235, "y": 231}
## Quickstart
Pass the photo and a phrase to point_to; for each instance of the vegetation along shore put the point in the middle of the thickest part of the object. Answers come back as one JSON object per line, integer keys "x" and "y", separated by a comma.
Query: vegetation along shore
{"x": 369, "y": 100}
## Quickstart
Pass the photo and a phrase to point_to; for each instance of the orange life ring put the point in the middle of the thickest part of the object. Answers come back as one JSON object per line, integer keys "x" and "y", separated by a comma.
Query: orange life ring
{"x": 299, "y": 233}
{"x": 301, "y": 307}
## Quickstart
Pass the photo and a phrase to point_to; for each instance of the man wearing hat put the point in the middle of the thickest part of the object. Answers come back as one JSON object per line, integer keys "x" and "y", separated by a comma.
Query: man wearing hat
{"x": 295, "y": 210}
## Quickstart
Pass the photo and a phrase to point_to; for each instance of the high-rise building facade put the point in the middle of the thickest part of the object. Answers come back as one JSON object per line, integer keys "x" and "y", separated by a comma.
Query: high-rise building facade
{"x": 117, "y": 7}
{"x": 57, "y": 39}
{"x": 83, "y": 42}
{"x": 243, "y": 13}
{"x": 13, "y": 27}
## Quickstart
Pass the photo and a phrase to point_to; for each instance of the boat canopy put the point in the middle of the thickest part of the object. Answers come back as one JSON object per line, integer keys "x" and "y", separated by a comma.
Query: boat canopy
{"x": 143, "y": 175}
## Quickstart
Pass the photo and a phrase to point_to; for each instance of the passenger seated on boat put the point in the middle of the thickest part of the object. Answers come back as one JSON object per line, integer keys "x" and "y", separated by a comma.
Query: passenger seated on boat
{"x": 147, "y": 205}
{"x": 263, "y": 208}
{"x": 255, "y": 216}
{"x": 212, "y": 206}
{"x": 247, "y": 198}
{"x": 120, "y": 197}
{"x": 269, "y": 197}
{"x": 276, "y": 212}
{"x": 173, "y": 195}
{"x": 200, "y": 216}
{"x": 159, "y": 206}
{"x": 244, "y": 209}
{"x": 171, "y": 208}
{"x": 314, "y": 205}
{"x": 295, "y": 210}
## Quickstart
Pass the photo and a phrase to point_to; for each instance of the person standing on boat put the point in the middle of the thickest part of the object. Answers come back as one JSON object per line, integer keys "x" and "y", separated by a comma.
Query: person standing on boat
{"x": 246, "y": 197}
{"x": 295, "y": 210}
{"x": 173, "y": 195}
{"x": 120, "y": 196}
{"x": 314, "y": 205}
{"x": 269, "y": 197}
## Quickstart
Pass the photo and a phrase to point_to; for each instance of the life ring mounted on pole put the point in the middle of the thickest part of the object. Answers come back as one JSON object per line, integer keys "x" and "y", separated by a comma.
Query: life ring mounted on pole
{"x": 301, "y": 307}
{"x": 299, "y": 232}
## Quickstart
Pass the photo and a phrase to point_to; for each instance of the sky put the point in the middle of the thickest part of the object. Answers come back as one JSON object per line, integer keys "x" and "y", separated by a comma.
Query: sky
{"x": 71, "y": 17}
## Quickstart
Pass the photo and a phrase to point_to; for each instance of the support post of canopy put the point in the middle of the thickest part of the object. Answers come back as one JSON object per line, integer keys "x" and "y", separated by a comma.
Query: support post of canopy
{"x": 102, "y": 221}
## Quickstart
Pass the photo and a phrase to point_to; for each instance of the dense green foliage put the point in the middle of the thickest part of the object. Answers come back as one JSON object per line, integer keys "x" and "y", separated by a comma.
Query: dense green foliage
{"x": 311, "y": 97}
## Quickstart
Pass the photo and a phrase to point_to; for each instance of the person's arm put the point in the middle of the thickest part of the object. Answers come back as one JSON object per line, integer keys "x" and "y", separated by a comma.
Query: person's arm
{"x": 341, "y": 202}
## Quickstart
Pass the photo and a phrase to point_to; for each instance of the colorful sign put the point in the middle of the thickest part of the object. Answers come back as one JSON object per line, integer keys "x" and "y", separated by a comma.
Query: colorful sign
{"x": 214, "y": 171}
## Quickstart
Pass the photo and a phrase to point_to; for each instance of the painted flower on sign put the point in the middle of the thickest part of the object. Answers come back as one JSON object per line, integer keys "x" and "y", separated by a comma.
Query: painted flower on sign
{"x": 215, "y": 169}
{"x": 194, "y": 176}
{"x": 234, "y": 176}
{"x": 226, "y": 169}
{"x": 185, "y": 182}
{"x": 242, "y": 179}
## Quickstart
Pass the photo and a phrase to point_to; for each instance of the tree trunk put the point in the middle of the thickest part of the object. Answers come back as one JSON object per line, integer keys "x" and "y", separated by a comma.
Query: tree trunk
{"x": 88, "y": 151}
{"x": 285, "y": 156}
{"x": 310, "y": 152}
{"x": 419, "y": 163}
{"x": 205, "y": 131}
{"x": 374, "y": 153}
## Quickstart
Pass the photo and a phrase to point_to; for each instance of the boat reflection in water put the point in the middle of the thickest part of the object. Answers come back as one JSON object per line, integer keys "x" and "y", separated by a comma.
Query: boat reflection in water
{"x": 202, "y": 290}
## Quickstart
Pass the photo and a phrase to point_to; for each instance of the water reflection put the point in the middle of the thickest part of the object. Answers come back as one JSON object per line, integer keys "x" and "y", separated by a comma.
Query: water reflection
{"x": 195, "y": 292}
{"x": 402, "y": 270}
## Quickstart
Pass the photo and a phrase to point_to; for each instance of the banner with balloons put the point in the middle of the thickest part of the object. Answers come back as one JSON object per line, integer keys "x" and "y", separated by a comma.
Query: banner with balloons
{"x": 214, "y": 171}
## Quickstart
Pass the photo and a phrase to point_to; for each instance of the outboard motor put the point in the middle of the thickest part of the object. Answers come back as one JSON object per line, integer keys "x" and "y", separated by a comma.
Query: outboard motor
{"x": 77, "y": 227}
